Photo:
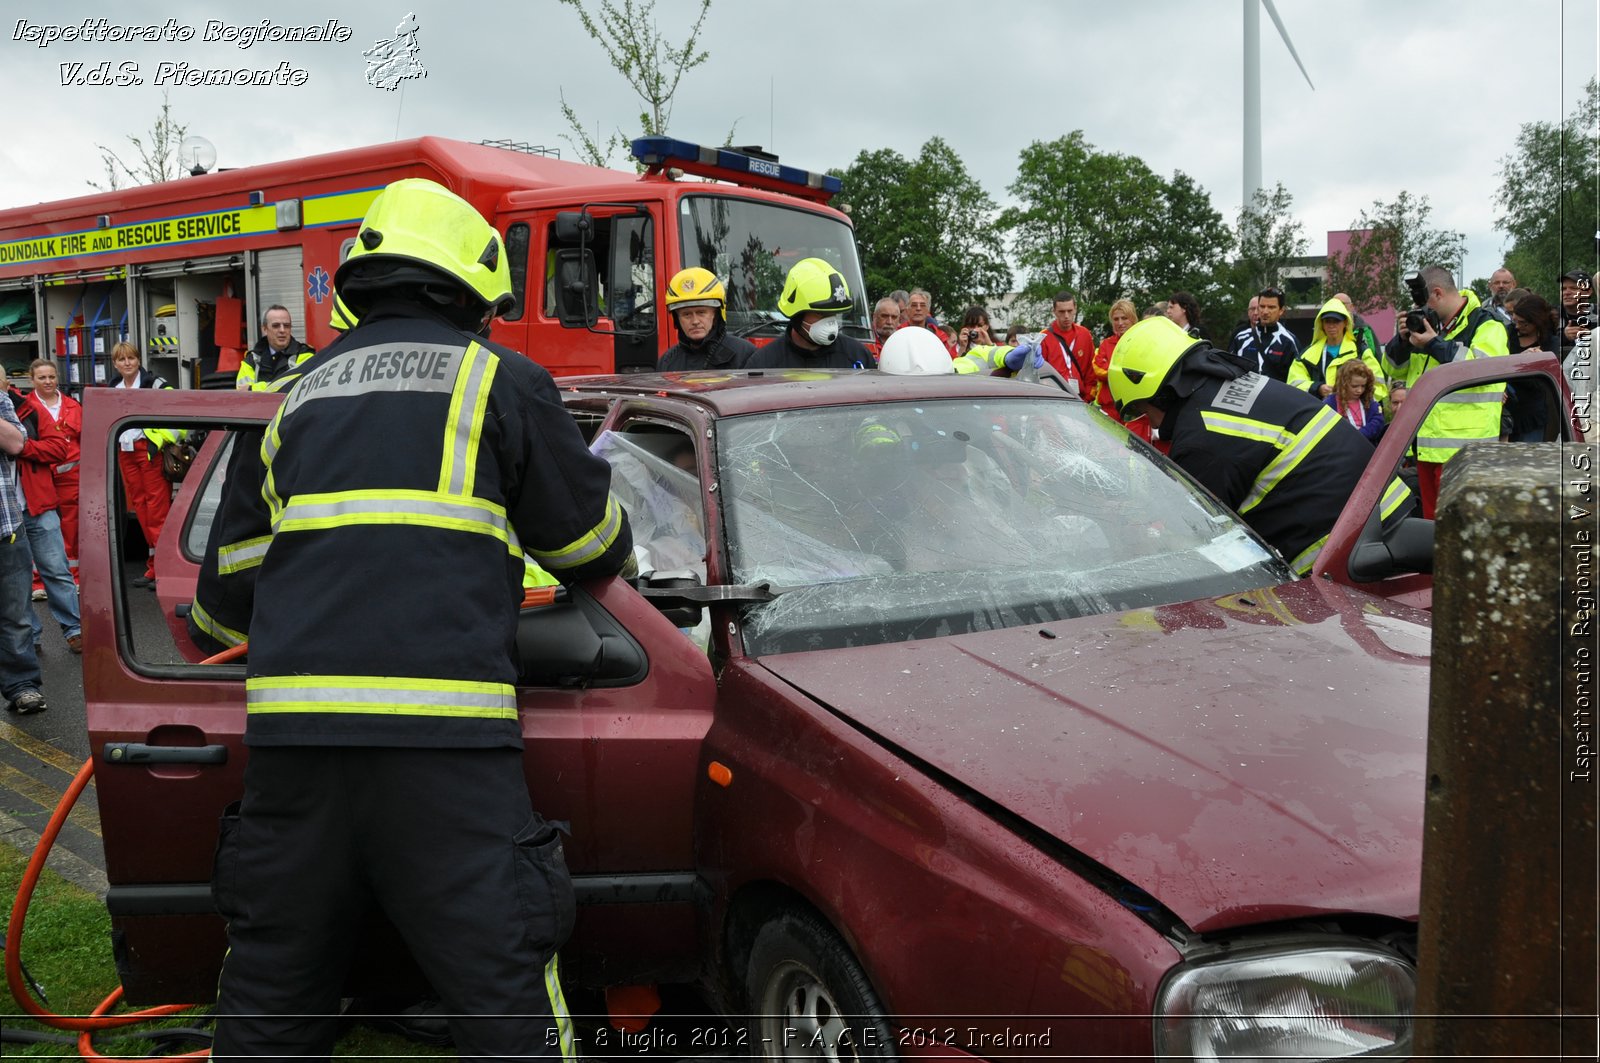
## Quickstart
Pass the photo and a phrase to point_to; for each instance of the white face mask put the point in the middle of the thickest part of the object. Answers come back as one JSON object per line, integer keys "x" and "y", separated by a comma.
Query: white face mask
{"x": 824, "y": 332}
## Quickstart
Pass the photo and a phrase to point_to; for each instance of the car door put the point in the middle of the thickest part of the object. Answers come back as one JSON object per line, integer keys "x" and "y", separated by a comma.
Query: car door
{"x": 612, "y": 742}
{"x": 1357, "y": 553}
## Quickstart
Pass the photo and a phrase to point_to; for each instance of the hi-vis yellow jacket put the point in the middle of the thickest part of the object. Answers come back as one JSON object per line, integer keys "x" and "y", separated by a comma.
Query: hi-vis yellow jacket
{"x": 371, "y": 547}
{"x": 1318, "y": 364}
{"x": 262, "y": 366}
{"x": 1465, "y": 416}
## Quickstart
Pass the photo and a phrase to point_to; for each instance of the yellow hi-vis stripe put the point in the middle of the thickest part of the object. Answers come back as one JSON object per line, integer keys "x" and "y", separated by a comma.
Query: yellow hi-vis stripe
{"x": 558, "y": 1007}
{"x": 1245, "y": 428}
{"x": 468, "y": 401}
{"x": 211, "y": 626}
{"x": 343, "y": 509}
{"x": 1306, "y": 439}
{"x": 586, "y": 547}
{"x": 1302, "y": 561}
{"x": 236, "y": 557}
{"x": 1394, "y": 497}
{"x": 371, "y": 695}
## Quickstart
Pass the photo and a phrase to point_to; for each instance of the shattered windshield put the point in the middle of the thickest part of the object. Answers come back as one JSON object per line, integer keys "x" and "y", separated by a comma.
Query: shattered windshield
{"x": 899, "y": 521}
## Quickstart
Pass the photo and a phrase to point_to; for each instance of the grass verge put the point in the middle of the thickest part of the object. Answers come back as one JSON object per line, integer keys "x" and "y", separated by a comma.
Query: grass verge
{"x": 67, "y": 949}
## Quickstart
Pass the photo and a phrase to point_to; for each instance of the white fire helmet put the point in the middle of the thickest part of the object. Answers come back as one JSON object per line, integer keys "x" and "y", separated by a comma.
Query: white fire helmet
{"x": 914, "y": 351}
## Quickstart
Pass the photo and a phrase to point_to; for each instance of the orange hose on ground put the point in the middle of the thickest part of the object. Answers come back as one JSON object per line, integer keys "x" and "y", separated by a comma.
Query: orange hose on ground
{"x": 19, "y": 914}
{"x": 97, "y": 1019}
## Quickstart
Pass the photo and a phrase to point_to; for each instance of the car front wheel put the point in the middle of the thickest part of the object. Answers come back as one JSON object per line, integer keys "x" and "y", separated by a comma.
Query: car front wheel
{"x": 809, "y": 997}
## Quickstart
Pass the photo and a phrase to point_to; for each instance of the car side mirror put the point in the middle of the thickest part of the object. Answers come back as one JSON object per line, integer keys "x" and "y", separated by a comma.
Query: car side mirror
{"x": 1408, "y": 548}
{"x": 577, "y": 281}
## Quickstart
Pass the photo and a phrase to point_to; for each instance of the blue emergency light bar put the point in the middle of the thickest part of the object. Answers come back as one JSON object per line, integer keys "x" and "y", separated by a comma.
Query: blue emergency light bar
{"x": 725, "y": 164}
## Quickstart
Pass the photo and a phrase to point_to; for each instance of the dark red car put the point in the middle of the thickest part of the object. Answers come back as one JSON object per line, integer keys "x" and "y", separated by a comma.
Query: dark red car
{"x": 948, "y": 718}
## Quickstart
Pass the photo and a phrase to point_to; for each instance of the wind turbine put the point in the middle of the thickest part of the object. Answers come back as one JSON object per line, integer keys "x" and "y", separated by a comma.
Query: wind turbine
{"x": 1252, "y": 89}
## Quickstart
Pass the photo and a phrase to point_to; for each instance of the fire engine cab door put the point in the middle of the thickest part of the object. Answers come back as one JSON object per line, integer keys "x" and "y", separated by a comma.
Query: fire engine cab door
{"x": 622, "y": 239}
{"x": 613, "y": 703}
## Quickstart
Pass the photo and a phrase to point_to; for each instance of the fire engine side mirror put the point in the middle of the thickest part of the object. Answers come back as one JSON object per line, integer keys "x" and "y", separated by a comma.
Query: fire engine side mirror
{"x": 574, "y": 227}
{"x": 577, "y": 282}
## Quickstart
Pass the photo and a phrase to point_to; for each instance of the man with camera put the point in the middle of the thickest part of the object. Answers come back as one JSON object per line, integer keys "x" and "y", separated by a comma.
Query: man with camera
{"x": 1445, "y": 325}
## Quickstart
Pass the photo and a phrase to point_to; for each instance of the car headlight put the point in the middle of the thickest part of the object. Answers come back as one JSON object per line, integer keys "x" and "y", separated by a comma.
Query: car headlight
{"x": 1304, "y": 1003}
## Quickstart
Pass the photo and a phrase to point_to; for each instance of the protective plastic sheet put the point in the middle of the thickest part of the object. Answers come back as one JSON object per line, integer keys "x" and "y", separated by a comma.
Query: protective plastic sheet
{"x": 661, "y": 497}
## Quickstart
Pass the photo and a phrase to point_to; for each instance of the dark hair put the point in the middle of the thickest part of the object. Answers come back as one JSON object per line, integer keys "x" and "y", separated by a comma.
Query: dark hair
{"x": 974, "y": 315}
{"x": 1063, "y": 296}
{"x": 1191, "y": 309}
{"x": 1537, "y": 312}
{"x": 1272, "y": 293}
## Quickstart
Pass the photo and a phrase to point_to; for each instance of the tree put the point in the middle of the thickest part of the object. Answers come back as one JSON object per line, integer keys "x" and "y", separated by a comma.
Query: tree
{"x": 1192, "y": 241}
{"x": 158, "y": 158}
{"x": 1270, "y": 237}
{"x": 1547, "y": 196}
{"x": 1083, "y": 218}
{"x": 925, "y": 224}
{"x": 637, "y": 50}
{"x": 1390, "y": 240}
{"x": 1105, "y": 225}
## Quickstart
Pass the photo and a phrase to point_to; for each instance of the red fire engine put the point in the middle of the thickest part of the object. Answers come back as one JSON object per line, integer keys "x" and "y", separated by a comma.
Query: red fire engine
{"x": 184, "y": 269}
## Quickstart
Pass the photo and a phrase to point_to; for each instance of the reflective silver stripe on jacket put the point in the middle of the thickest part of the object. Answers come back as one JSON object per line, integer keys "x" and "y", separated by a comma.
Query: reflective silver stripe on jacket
{"x": 236, "y": 557}
{"x": 381, "y": 696}
{"x": 424, "y": 508}
{"x": 468, "y": 400}
{"x": 1321, "y": 424}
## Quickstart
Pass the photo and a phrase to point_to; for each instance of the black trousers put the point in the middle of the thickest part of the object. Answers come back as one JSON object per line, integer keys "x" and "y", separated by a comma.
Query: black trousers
{"x": 445, "y": 842}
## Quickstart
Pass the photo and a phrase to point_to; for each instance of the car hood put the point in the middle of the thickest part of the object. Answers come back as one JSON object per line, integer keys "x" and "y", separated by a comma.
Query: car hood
{"x": 1243, "y": 759}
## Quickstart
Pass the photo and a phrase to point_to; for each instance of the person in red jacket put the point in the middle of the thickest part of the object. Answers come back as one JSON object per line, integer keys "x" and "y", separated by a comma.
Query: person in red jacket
{"x": 1067, "y": 343}
{"x": 48, "y": 399}
{"x": 139, "y": 459}
{"x": 44, "y": 448}
{"x": 1123, "y": 315}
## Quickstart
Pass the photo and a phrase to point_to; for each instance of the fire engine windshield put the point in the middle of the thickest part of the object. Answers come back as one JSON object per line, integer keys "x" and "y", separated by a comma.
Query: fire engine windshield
{"x": 751, "y": 245}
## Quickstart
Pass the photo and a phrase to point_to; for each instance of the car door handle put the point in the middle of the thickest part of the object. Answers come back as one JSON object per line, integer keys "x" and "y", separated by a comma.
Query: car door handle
{"x": 143, "y": 753}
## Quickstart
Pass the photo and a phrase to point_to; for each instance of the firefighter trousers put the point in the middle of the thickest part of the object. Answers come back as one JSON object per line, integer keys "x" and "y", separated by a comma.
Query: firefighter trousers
{"x": 445, "y": 842}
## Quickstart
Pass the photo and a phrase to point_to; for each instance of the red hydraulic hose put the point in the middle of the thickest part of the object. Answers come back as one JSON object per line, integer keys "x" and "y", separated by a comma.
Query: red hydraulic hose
{"x": 97, "y": 1019}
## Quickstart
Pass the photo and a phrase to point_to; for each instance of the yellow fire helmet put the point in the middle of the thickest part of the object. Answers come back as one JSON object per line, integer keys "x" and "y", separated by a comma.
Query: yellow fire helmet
{"x": 1143, "y": 360}
{"x": 340, "y": 317}
{"x": 812, "y": 284}
{"x": 696, "y": 286}
{"x": 417, "y": 222}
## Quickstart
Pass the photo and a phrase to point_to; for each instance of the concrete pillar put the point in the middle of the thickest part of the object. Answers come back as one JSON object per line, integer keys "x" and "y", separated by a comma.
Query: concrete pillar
{"x": 1507, "y": 937}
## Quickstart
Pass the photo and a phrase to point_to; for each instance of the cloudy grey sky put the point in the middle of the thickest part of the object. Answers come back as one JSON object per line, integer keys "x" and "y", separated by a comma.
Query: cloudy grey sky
{"x": 1422, "y": 96}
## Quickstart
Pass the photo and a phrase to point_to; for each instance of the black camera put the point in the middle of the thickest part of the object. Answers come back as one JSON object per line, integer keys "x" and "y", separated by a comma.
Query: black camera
{"x": 1422, "y": 317}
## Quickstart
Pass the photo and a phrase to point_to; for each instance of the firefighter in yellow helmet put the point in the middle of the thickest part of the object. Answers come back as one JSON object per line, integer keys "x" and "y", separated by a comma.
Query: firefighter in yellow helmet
{"x": 1282, "y": 459}
{"x": 380, "y": 529}
{"x": 815, "y": 299}
{"x": 698, "y": 303}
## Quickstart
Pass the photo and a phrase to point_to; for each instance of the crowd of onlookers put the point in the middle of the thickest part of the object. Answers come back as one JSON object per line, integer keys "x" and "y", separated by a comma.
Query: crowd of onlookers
{"x": 1342, "y": 362}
